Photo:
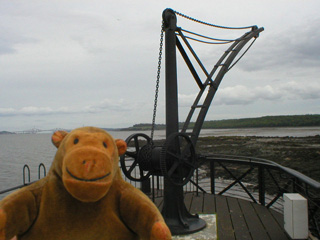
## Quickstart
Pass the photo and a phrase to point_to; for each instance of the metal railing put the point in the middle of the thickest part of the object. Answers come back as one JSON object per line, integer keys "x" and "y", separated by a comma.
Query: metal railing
{"x": 268, "y": 181}
{"x": 254, "y": 179}
{"x": 26, "y": 177}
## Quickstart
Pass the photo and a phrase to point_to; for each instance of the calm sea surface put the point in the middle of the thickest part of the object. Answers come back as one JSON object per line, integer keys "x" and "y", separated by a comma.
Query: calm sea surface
{"x": 32, "y": 149}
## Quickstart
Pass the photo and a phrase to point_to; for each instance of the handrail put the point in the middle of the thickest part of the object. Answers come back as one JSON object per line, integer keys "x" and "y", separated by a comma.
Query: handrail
{"x": 281, "y": 180}
{"x": 26, "y": 169}
{"x": 268, "y": 163}
{"x": 12, "y": 189}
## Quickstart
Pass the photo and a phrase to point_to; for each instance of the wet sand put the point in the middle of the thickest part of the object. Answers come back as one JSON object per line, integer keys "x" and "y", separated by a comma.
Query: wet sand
{"x": 299, "y": 153}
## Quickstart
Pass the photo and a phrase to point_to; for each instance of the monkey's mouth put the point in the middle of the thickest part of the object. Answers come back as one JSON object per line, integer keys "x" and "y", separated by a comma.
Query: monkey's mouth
{"x": 88, "y": 180}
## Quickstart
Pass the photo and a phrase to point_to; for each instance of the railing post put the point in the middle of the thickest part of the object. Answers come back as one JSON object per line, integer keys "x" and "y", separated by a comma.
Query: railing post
{"x": 197, "y": 181}
{"x": 212, "y": 177}
{"x": 153, "y": 188}
{"x": 158, "y": 183}
{"x": 41, "y": 165}
{"x": 294, "y": 185}
{"x": 146, "y": 186}
{"x": 26, "y": 167}
{"x": 262, "y": 187}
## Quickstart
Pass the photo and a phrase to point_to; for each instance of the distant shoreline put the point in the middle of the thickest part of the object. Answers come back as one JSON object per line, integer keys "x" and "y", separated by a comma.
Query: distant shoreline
{"x": 6, "y": 133}
{"x": 308, "y": 120}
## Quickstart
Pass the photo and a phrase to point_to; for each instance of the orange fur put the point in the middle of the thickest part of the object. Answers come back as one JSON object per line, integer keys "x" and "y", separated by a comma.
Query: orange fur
{"x": 3, "y": 220}
{"x": 160, "y": 231}
{"x": 83, "y": 196}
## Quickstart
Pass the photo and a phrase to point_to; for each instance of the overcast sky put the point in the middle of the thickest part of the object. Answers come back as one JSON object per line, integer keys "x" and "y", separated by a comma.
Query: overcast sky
{"x": 66, "y": 64}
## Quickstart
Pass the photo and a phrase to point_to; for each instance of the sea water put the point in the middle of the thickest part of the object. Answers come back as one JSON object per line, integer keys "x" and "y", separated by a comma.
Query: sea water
{"x": 16, "y": 150}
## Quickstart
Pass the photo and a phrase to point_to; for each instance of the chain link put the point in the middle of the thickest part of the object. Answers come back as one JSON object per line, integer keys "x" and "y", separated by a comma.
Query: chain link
{"x": 157, "y": 84}
{"x": 160, "y": 58}
{"x": 208, "y": 24}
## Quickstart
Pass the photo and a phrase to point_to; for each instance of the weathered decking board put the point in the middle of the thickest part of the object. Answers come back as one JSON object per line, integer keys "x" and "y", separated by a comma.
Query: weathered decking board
{"x": 237, "y": 219}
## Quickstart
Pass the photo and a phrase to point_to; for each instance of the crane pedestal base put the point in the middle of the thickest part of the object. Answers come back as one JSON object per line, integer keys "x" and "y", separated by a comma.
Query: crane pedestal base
{"x": 179, "y": 220}
{"x": 208, "y": 233}
{"x": 191, "y": 225}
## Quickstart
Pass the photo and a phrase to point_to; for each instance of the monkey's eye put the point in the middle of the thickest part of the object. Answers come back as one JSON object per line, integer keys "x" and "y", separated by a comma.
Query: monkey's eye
{"x": 76, "y": 140}
{"x": 104, "y": 144}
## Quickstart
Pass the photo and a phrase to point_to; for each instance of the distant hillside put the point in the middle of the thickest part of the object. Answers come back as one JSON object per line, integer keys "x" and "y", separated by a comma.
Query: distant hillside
{"x": 144, "y": 126}
{"x": 267, "y": 121}
{"x": 5, "y": 132}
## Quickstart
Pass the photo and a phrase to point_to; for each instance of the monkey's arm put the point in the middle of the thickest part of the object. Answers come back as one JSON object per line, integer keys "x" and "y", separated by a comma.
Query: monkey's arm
{"x": 17, "y": 213}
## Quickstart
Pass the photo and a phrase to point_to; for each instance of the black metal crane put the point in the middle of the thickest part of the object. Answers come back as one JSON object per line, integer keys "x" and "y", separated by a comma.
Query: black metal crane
{"x": 176, "y": 160}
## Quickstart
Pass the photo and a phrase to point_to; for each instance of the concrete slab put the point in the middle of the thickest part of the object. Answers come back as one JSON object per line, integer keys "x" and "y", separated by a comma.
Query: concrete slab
{"x": 209, "y": 232}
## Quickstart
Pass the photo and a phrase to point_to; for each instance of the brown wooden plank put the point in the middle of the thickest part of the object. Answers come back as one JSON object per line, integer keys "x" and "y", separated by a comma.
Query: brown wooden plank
{"x": 209, "y": 204}
{"x": 270, "y": 224}
{"x": 197, "y": 203}
{"x": 278, "y": 217}
{"x": 256, "y": 228}
{"x": 239, "y": 224}
{"x": 224, "y": 223}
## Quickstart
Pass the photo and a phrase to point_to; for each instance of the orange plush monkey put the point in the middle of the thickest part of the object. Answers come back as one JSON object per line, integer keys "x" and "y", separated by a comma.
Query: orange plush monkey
{"x": 83, "y": 197}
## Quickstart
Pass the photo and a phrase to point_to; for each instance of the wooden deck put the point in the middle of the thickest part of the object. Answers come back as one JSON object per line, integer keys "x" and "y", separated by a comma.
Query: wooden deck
{"x": 237, "y": 219}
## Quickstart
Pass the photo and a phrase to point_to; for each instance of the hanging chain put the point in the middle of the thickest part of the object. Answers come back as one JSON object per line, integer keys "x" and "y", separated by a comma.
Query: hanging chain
{"x": 157, "y": 84}
{"x": 160, "y": 58}
{"x": 208, "y": 24}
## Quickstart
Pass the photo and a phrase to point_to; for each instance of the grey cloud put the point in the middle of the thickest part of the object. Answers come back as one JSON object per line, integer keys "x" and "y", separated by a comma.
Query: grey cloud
{"x": 118, "y": 105}
{"x": 296, "y": 47}
{"x": 239, "y": 95}
{"x": 114, "y": 105}
{"x": 244, "y": 95}
{"x": 33, "y": 111}
{"x": 8, "y": 42}
{"x": 185, "y": 100}
{"x": 303, "y": 91}
{"x": 6, "y": 47}
{"x": 9, "y": 39}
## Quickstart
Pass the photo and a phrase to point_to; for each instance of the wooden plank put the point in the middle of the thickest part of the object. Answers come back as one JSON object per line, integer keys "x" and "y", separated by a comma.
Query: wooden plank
{"x": 256, "y": 228}
{"x": 159, "y": 203}
{"x": 239, "y": 224}
{"x": 270, "y": 224}
{"x": 197, "y": 203}
{"x": 236, "y": 218}
{"x": 209, "y": 204}
{"x": 278, "y": 217}
{"x": 224, "y": 223}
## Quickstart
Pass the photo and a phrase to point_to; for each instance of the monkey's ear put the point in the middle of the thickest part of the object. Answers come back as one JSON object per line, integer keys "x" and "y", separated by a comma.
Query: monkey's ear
{"x": 122, "y": 146}
{"x": 57, "y": 137}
